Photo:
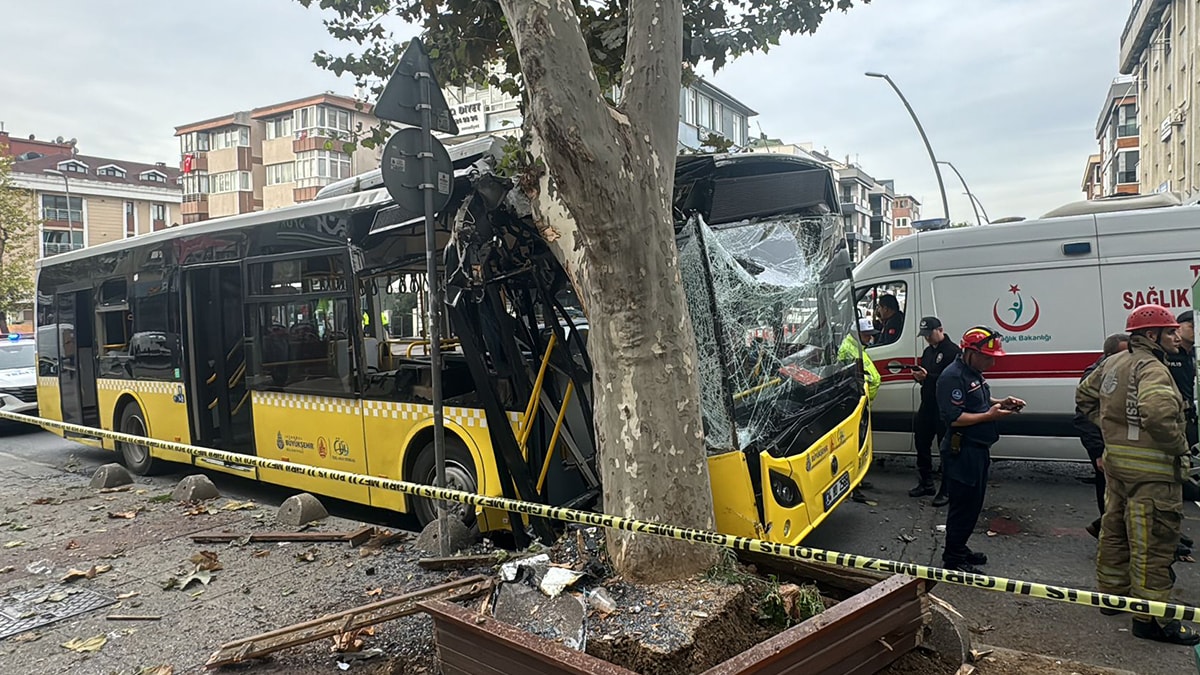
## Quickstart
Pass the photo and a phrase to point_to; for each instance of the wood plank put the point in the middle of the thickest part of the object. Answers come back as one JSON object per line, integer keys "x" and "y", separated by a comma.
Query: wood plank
{"x": 343, "y": 622}
{"x": 354, "y": 537}
{"x": 460, "y": 561}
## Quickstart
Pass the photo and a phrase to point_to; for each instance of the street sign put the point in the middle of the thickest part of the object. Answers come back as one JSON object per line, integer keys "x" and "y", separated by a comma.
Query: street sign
{"x": 403, "y": 172}
{"x": 401, "y": 95}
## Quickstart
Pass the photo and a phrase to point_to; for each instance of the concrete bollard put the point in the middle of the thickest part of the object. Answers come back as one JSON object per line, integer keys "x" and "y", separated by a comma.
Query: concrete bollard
{"x": 110, "y": 475}
{"x": 458, "y": 536}
{"x": 301, "y": 509}
{"x": 195, "y": 488}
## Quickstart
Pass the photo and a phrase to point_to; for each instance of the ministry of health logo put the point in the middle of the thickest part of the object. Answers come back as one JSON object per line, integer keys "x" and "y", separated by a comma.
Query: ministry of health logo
{"x": 1018, "y": 315}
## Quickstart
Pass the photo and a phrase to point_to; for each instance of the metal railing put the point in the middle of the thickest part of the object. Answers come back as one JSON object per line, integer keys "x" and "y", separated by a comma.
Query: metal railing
{"x": 49, "y": 248}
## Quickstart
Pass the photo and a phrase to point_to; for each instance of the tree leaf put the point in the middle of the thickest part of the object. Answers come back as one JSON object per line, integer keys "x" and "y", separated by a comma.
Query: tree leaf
{"x": 202, "y": 576}
{"x": 92, "y": 644}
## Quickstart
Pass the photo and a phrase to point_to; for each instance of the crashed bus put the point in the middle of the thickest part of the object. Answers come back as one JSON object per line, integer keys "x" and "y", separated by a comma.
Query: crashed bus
{"x": 299, "y": 334}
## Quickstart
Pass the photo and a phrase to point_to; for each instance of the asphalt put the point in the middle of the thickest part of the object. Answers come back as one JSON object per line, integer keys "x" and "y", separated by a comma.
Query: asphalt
{"x": 1037, "y": 512}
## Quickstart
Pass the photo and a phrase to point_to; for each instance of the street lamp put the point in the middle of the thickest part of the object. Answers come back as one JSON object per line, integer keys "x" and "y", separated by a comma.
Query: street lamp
{"x": 921, "y": 130}
{"x": 964, "y": 182}
{"x": 975, "y": 200}
{"x": 70, "y": 222}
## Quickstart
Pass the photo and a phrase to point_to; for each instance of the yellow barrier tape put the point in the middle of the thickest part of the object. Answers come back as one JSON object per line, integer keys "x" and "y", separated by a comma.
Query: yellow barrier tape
{"x": 1045, "y": 591}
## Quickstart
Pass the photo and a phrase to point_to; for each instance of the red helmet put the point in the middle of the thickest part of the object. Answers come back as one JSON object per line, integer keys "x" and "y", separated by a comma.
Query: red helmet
{"x": 983, "y": 340}
{"x": 1150, "y": 316}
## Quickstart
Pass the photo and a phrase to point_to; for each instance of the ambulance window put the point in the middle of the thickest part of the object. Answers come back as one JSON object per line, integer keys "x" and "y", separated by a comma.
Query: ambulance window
{"x": 883, "y": 305}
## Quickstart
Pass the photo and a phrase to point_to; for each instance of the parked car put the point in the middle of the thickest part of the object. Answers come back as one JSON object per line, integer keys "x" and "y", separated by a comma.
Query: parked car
{"x": 18, "y": 375}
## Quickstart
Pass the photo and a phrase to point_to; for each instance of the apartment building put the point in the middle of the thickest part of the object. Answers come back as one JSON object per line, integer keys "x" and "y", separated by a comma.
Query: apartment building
{"x": 905, "y": 210}
{"x": 85, "y": 200}
{"x": 703, "y": 109}
{"x": 272, "y": 156}
{"x": 1158, "y": 49}
{"x": 1119, "y": 135}
{"x": 1093, "y": 180}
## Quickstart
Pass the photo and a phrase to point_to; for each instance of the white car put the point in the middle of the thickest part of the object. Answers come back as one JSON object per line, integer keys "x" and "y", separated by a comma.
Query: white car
{"x": 18, "y": 376}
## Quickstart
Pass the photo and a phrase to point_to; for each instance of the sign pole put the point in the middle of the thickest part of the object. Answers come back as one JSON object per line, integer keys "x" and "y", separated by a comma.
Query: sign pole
{"x": 428, "y": 187}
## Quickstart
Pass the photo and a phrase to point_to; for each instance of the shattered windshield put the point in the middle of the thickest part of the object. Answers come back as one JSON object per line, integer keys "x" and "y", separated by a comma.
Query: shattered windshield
{"x": 773, "y": 330}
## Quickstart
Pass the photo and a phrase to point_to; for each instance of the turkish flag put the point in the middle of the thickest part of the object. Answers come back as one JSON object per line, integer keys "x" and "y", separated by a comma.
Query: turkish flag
{"x": 187, "y": 162}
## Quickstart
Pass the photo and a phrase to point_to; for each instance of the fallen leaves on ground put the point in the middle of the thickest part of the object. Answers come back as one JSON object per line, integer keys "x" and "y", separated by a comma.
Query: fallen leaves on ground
{"x": 13, "y": 544}
{"x": 72, "y": 545}
{"x": 374, "y": 592}
{"x": 128, "y": 515}
{"x": 206, "y": 560}
{"x": 308, "y": 556}
{"x": 6, "y": 569}
{"x": 239, "y": 506}
{"x": 90, "y": 573}
{"x": 157, "y": 670}
{"x": 348, "y": 642}
{"x": 203, "y": 576}
{"x": 201, "y": 510}
{"x": 261, "y": 553}
{"x": 47, "y": 500}
{"x": 126, "y": 596}
{"x": 92, "y": 644}
{"x": 123, "y": 488}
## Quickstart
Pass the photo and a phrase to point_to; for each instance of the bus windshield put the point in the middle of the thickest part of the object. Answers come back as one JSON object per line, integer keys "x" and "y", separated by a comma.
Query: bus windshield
{"x": 770, "y": 324}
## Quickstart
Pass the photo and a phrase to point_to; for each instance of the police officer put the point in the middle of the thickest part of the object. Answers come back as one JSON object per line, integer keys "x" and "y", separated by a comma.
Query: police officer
{"x": 1133, "y": 399}
{"x": 1182, "y": 364}
{"x": 938, "y": 355}
{"x": 971, "y": 415}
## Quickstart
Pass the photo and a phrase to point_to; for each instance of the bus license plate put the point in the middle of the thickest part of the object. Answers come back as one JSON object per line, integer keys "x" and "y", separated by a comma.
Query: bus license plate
{"x": 841, "y": 487}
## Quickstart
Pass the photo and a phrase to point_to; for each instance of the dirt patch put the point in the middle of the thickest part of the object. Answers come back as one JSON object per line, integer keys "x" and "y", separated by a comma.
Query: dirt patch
{"x": 677, "y": 627}
{"x": 1009, "y": 662}
{"x": 922, "y": 662}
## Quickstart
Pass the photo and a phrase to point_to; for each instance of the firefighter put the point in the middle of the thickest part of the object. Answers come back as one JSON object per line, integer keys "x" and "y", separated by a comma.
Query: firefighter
{"x": 1089, "y": 434}
{"x": 971, "y": 415}
{"x": 1134, "y": 401}
{"x": 938, "y": 355}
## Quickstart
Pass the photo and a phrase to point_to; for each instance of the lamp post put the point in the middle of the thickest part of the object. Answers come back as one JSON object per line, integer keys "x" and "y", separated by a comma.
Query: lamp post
{"x": 976, "y": 201}
{"x": 921, "y": 130}
{"x": 70, "y": 222}
{"x": 964, "y": 182}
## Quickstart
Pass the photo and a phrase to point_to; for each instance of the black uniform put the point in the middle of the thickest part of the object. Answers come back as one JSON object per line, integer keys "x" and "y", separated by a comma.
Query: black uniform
{"x": 1092, "y": 440}
{"x": 962, "y": 389}
{"x": 929, "y": 421}
{"x": 890, "y": 332}
{"x": 1182, "y": 365}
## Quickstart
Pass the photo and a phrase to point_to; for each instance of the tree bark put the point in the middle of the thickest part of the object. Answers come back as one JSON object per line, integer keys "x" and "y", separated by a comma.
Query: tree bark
{"x": 604, "y": 204}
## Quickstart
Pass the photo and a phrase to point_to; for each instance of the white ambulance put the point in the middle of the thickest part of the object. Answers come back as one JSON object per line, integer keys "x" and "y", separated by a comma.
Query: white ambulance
{"x": 1055, "y": 287}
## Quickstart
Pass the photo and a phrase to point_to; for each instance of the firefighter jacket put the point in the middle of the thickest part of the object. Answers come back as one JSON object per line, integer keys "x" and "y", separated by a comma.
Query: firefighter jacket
{"x": 848, "y": 351}
{"x": 1134, "y": 401}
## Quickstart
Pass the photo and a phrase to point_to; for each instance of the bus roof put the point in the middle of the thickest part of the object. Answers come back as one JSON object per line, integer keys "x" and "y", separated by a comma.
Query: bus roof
{"x": 349, "y": 202}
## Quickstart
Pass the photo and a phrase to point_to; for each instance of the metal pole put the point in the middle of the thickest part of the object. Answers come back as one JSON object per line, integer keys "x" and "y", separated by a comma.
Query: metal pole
{"x": 70, "y": 222}
{"x": 435, "y": 301}
{"x": 928, "y": 148}
{"x": 976, "y": 200}
{"x": 964, "y": 182}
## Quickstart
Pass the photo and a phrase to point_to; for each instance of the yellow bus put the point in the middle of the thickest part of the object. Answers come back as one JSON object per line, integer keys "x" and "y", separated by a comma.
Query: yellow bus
{"x": 298, "y": 334}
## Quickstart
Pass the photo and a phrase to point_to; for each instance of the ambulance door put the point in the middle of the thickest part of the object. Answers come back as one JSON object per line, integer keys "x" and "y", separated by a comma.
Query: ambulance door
{"x": 894, "y": 408}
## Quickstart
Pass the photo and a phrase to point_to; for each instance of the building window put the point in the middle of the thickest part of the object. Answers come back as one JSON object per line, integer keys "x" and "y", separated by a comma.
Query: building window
{"x": 195, "y": 183}
{"x": 130, "y": 220}
{"x": 153, "y": 177}
{"x": 322, "y": 164}
{"x": 689, "y": 106}
{"x": 73, "y": 166}
{"x": 280, "y": 127}
{"x": 902, "y": 222}
{"x": 280, "y": 173}
{"x": 158, "y": 217}
{"x": 703, "y": 111}
{"x": 111, "y": 171}
{"x": 197, "y": 141}
{"x": 1127, "y": 122}
{"x": 320, "y": 120}
{"x": 229, "y": 181}
{"x": 231, "y": 138}
{"x": 1127, "y": 167}
{"x": 60, "y": 241}
{"x": 54, "y": 207}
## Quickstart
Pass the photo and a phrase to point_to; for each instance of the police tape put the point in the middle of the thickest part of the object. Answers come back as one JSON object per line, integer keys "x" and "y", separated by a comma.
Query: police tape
{"x": 1012, "y": 586}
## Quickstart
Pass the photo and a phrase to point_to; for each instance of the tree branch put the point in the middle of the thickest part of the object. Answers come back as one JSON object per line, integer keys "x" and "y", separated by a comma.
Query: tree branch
{"x": 653, "y": 65}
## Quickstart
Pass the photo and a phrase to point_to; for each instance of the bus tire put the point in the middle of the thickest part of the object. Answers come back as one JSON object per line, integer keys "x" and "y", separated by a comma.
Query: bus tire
{"x": 460, "y": 475}
{"x": 136, "y": 456}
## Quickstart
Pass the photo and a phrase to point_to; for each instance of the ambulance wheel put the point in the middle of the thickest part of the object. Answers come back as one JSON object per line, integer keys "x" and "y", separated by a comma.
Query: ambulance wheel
{"x": 460, "y": 475}
{"x": 136, "y": 455}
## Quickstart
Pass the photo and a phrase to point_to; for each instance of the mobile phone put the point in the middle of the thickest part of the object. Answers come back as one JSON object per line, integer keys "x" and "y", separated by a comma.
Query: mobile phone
{"x": 907, "y": 366}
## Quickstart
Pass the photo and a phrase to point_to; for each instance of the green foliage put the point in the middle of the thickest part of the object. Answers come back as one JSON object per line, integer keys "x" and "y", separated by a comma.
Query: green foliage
{"x": 469, "y": 42}
{"x": 18, "y": 241}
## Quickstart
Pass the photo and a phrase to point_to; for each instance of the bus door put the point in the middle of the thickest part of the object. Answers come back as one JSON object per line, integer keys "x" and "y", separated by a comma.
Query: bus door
{"x": 77, "y": 365}
{"x": 215, "y": 356}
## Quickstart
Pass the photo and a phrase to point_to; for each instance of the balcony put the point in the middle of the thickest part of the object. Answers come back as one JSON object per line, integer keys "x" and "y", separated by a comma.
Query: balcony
{"x": 199, "y": 161}
{"x": 316, "y": 142}
{"x": 194, "y": 205}
{"x": 49, "y": 249}
{"x": 1139, "y": 27}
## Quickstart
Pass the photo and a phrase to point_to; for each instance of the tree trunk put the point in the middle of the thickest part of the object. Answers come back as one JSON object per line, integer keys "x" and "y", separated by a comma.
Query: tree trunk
{"x": 604, "y": 203}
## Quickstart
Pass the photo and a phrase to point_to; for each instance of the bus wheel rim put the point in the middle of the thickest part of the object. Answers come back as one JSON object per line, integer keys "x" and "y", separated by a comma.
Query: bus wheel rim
{"x": 458, "y": 477}
{"x": 137, "y": 452}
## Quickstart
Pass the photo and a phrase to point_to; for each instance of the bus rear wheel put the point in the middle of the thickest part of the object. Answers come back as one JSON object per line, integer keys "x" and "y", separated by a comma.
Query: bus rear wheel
{"x": 136, "y": 455}
{"x": 460, "y": 475}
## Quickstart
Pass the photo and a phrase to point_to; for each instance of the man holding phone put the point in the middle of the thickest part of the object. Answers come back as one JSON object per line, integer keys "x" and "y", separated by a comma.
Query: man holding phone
{"x": 939, "y": 354}
{"x": 971, "y": 416}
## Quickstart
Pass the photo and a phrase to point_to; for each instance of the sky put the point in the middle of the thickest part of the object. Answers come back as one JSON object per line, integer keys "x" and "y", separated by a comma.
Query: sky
{"x": 1007, "y": 90}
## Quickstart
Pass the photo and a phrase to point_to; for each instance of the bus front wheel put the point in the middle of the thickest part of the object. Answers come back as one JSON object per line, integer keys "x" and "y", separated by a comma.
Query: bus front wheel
{"x": 460, "y": 475}
{"x": 136, "y": 455}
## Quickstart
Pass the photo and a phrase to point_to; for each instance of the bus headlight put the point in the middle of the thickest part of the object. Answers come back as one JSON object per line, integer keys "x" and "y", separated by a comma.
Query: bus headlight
{"x": 785, "y": 490}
